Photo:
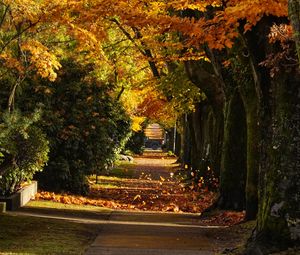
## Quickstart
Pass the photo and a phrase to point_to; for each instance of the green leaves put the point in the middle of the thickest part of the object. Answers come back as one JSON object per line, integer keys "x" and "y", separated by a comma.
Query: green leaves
{"x": 24, "y": 150}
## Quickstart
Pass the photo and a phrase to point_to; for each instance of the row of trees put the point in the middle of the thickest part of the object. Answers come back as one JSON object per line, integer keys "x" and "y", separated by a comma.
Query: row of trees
{"x": 226, "y": 72}
{"x": 247, "y": 129}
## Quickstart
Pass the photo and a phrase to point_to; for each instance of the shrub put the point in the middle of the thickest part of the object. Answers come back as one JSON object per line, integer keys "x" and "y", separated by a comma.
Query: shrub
{"x": 136, "y": 143}
{"x": 85, "y": 125}
{"x": 24, "y": 150}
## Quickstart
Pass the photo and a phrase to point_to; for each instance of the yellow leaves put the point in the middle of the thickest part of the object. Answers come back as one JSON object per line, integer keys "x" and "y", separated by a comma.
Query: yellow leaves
{"x": 137, "y": 197}
{"x": 193, "y": 5}
{"x": 137, "y": 123}
{"x": 21, "y": 10}
{"x": 41, "y": 59}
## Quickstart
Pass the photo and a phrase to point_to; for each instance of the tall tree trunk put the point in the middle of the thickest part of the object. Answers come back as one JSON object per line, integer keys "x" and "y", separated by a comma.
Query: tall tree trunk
{"x": 184, "y": 155}
{"x": 187, "y": 148}
{"x": 278, "y": 219}
{"x": 233, "y": 164}
{"x": 201, "y": 74}
{"x": 200, "y": 130}
{"x": 178, "y": 144}
{"x": 279, "y": 211}
{"x": 253, "y": 140}
{"x": 250, "y": 93}
{"x": 294, "y": 14}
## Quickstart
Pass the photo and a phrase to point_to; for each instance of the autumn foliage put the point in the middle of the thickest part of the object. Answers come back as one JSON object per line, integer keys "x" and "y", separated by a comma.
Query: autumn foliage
{"x": 221, "y": 76}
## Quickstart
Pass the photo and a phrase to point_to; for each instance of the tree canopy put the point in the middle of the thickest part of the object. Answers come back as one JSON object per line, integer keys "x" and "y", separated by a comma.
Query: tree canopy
{"x": 222, "y": 77}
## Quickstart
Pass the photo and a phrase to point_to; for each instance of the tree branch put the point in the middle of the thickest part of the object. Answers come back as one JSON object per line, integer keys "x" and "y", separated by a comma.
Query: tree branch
{"x": 4, "y": 14}
{"x": 143, "y": 50}
{"x": 16, "y": 36}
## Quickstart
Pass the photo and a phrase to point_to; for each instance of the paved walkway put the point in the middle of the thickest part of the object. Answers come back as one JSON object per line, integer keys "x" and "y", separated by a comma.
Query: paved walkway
{"x": 149, "y": 233}
{"x": 144, "y": 233}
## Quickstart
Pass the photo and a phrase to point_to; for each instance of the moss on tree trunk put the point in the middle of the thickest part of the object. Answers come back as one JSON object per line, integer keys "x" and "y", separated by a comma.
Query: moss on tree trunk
{"x": 279, "y": 212}
{"x": 233, "y": 164}
{"x": 250, "y": 96}
{"x": 278, "y": 218}
{"x": 294, "y": 14}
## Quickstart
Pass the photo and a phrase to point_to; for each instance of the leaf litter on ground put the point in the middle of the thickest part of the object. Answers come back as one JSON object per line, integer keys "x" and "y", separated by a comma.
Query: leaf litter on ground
{"x": 160, "y": 193}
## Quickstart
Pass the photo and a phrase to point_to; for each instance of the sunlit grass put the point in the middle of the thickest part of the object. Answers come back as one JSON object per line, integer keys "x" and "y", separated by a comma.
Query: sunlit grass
{"x": 31, "y": 235}
{"x": 107, "y": 186}
{"x": 66, "y": 207}
{"x": 116, "y": 172}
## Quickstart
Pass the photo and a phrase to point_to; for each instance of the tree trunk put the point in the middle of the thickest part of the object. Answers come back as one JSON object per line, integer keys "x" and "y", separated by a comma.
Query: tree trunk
{"x": 233, "y": 164}
{"x": 253, "y": 141}
{"x": 184, "y": 156}
{"x": 202, "y": 75}
{"x": 200, "y": 131}
{"x": 187, "y": 148}
{"x": 294, "y": 14}
{"x": 178, "y": 144}
{"x": 278, "y": 219}
{"x": 170, "y": 139}
{"x": 278, "y": 222}
{"x": 250, "y": 93}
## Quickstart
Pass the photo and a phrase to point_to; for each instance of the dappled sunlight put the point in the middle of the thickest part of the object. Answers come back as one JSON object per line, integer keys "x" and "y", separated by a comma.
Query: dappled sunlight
{"x": 153, "y": 185}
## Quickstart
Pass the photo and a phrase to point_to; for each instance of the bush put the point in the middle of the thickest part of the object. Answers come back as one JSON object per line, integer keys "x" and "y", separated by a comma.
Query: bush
{"x": 85, "y": 125}
{"x": 24, "y": 151}
{"x": 136, "y": 143}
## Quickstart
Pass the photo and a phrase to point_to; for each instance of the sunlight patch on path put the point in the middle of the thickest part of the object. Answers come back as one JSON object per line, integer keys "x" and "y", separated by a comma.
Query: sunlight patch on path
{"x": 110, "y": 221}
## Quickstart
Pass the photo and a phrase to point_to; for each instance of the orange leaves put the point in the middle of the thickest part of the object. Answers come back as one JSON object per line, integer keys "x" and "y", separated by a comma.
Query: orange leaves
{"x": 75, "y": 200}
{"x": 226, "y": 218}
{"x": 11, "y": 62}
{"x": 45, "y": 63}
{"x": 150, "y": 195}
{"x": 253, "y": 11}
{"x": 280, "y": 33}
{"x": 24, "y": 9}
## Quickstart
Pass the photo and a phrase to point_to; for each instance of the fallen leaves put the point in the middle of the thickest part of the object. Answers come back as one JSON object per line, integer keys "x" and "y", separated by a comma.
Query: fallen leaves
{"x": 225, "y": 218}
{"x": 151, "y": 190}
{"x": 139, "y": 194}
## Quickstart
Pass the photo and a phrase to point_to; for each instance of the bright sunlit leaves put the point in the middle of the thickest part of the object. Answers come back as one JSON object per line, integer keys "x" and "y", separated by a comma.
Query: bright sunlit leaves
{"x": 41, "y": 59}
{"x": 123, "y": 40}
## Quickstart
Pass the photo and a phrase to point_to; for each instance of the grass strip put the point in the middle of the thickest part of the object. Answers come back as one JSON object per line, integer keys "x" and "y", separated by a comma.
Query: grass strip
{"x": 32, "y": 235}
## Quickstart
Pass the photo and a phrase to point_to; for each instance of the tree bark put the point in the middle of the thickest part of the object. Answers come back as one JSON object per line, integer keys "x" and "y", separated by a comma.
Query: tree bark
{"x": 253, "y": 141}
{"x": 294, "y": 14}
{"x": 278, "y": 219}
{"x": 278, "y": 222}
{"x": 250, "y": 93}
{"x": 201, "y": 74}
{"x": 233, "y": 164}
{"x": 200, "y": 131}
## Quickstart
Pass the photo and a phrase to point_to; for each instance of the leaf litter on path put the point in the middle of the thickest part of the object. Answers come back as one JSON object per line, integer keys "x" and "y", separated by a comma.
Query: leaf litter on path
{"x": 152, "y": 188}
